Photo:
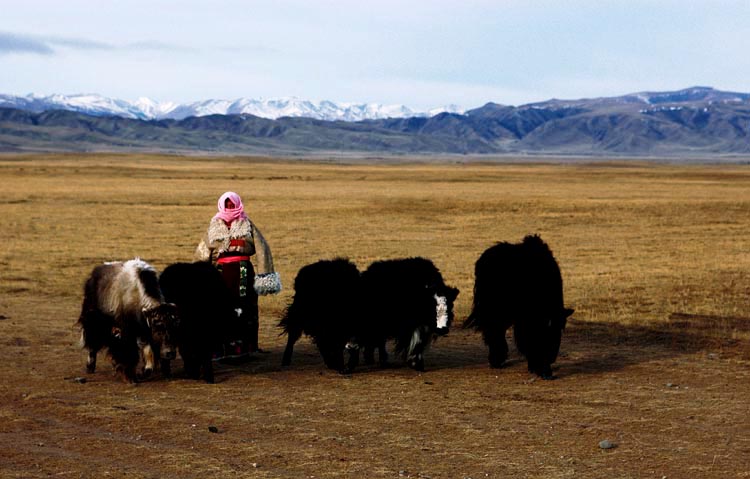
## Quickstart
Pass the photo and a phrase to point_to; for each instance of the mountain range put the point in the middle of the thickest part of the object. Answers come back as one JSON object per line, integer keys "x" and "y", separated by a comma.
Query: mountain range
{"x": 147, "y": 109}
{"x": 694, "y": 122}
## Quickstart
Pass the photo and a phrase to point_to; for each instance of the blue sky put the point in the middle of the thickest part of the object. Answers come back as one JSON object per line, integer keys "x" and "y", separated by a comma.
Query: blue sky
{"x": 419, "y": 53}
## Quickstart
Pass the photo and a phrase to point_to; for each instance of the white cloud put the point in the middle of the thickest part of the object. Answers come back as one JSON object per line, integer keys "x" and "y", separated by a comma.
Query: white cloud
{"x": 23, "y": 44}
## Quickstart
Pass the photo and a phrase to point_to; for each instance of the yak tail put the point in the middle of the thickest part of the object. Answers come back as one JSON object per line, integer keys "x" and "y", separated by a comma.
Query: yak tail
{"x": 288, "y": 320}
{"x": 470, "y": 321}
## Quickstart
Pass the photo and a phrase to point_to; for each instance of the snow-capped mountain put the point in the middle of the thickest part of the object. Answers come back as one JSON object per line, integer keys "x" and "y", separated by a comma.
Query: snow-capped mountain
{"x": 147, "y": 109}
{"x": 89, "y": 104}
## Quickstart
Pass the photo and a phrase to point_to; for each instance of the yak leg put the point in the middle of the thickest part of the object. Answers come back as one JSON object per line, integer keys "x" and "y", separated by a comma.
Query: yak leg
{"x": 352, "y": 348}
{"x": 92, "y": 351}
{"x": 95, "y": 335}
{"x": 192, "y": 362}
{"x": 382, "y": 354}
{"x": 148, "y": 357}
{"x": 544, "y": 371}
{"x": 417, "y": 346}
{"x": 125, "y": 372}
{"x": 498, "y": 350}
{"x": 208, "y": 368}
{"x": 91, "y": 361}
{"x": 125, "y": 355}
{"x": 292, "y": 336}
{"x": 539, "y": 365}
{"x": 166, "y": 367}
{"x": 333, "y": 354}
{"x": 165, "y": 364}
{"x": 368, "y": 353}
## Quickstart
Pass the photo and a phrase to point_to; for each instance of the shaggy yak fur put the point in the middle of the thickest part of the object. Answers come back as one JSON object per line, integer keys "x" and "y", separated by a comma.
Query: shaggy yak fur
{"x": 324, "y": 307}
{"x": 405, "y": 300}
{"x": 520, "y": 285}
{"x": 124, "y": 312}
{"x": 207, "y": 314}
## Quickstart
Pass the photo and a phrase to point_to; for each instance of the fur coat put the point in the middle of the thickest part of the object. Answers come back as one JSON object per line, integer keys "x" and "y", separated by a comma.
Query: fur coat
{"x": 218, "y": 240}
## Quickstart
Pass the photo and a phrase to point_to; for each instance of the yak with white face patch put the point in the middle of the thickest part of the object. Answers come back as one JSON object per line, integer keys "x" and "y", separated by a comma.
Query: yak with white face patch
{"x": 408, "y": 301}
{"x": 442, "y": 312}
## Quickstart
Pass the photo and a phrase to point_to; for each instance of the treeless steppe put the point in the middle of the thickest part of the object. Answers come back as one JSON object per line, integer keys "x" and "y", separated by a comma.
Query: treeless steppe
{"x": 656, "y": 359}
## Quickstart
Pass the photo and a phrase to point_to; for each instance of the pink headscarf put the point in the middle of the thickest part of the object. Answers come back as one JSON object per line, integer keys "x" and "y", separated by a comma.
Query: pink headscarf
{"x": 234, "y": 214}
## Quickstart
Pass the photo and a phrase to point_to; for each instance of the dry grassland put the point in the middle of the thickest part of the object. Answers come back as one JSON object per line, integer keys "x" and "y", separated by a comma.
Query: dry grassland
{"x": 655, "y": 260}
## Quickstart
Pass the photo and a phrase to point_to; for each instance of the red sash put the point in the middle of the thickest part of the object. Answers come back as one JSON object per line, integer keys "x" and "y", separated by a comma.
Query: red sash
{"x": 232, "y": 259}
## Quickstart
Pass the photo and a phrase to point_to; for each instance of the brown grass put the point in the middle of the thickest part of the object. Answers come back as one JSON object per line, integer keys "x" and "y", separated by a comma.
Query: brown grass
{"x": 655, "y": 258}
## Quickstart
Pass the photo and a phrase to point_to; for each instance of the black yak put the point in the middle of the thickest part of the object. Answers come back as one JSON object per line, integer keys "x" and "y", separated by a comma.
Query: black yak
{"x": 405, "y": 300}
{"x": 208, "y": 318}
{"x": 124, "y": 312}
{"x": 520, "y": 285}
{"x": 325, "y": 307}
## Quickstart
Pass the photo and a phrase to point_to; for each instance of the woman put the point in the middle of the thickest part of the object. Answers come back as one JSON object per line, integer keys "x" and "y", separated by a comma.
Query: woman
{"x": 231, "y": 240}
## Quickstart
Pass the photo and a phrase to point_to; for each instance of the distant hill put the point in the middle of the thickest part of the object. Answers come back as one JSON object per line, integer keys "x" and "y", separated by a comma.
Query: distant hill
{"x": 695, "y": 122}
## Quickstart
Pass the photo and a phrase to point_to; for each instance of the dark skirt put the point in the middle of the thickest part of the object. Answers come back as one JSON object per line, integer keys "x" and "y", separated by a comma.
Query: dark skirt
{"x": 239, "y": 277}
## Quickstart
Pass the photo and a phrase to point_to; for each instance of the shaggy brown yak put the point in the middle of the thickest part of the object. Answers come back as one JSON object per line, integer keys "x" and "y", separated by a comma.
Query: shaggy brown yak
{"x": 124, "y": 312}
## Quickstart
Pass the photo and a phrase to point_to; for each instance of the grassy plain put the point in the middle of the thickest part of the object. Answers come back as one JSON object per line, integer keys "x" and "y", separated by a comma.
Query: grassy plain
{"x": 655, "y": 259}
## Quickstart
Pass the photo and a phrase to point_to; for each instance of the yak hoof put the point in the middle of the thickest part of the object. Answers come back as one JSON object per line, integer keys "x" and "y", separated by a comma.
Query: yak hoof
{"x": 91, "y": 368}
{"x": 496, "y": 360}
{"x": 544, "y": 372}
{"x": 497, "y": 363}
{"x": 417, "y": 364}
{"x": 127, "y": 378}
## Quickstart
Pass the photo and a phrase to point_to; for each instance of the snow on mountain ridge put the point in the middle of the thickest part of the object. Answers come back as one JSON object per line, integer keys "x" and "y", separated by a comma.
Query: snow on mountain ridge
{"x": 273, "y": 108}
{"x": 152, "y": 109}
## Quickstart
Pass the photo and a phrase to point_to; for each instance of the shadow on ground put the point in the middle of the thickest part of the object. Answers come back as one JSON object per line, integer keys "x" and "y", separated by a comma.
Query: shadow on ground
{"x": 587, "y": 348}
{"x": 596, "y": 347}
